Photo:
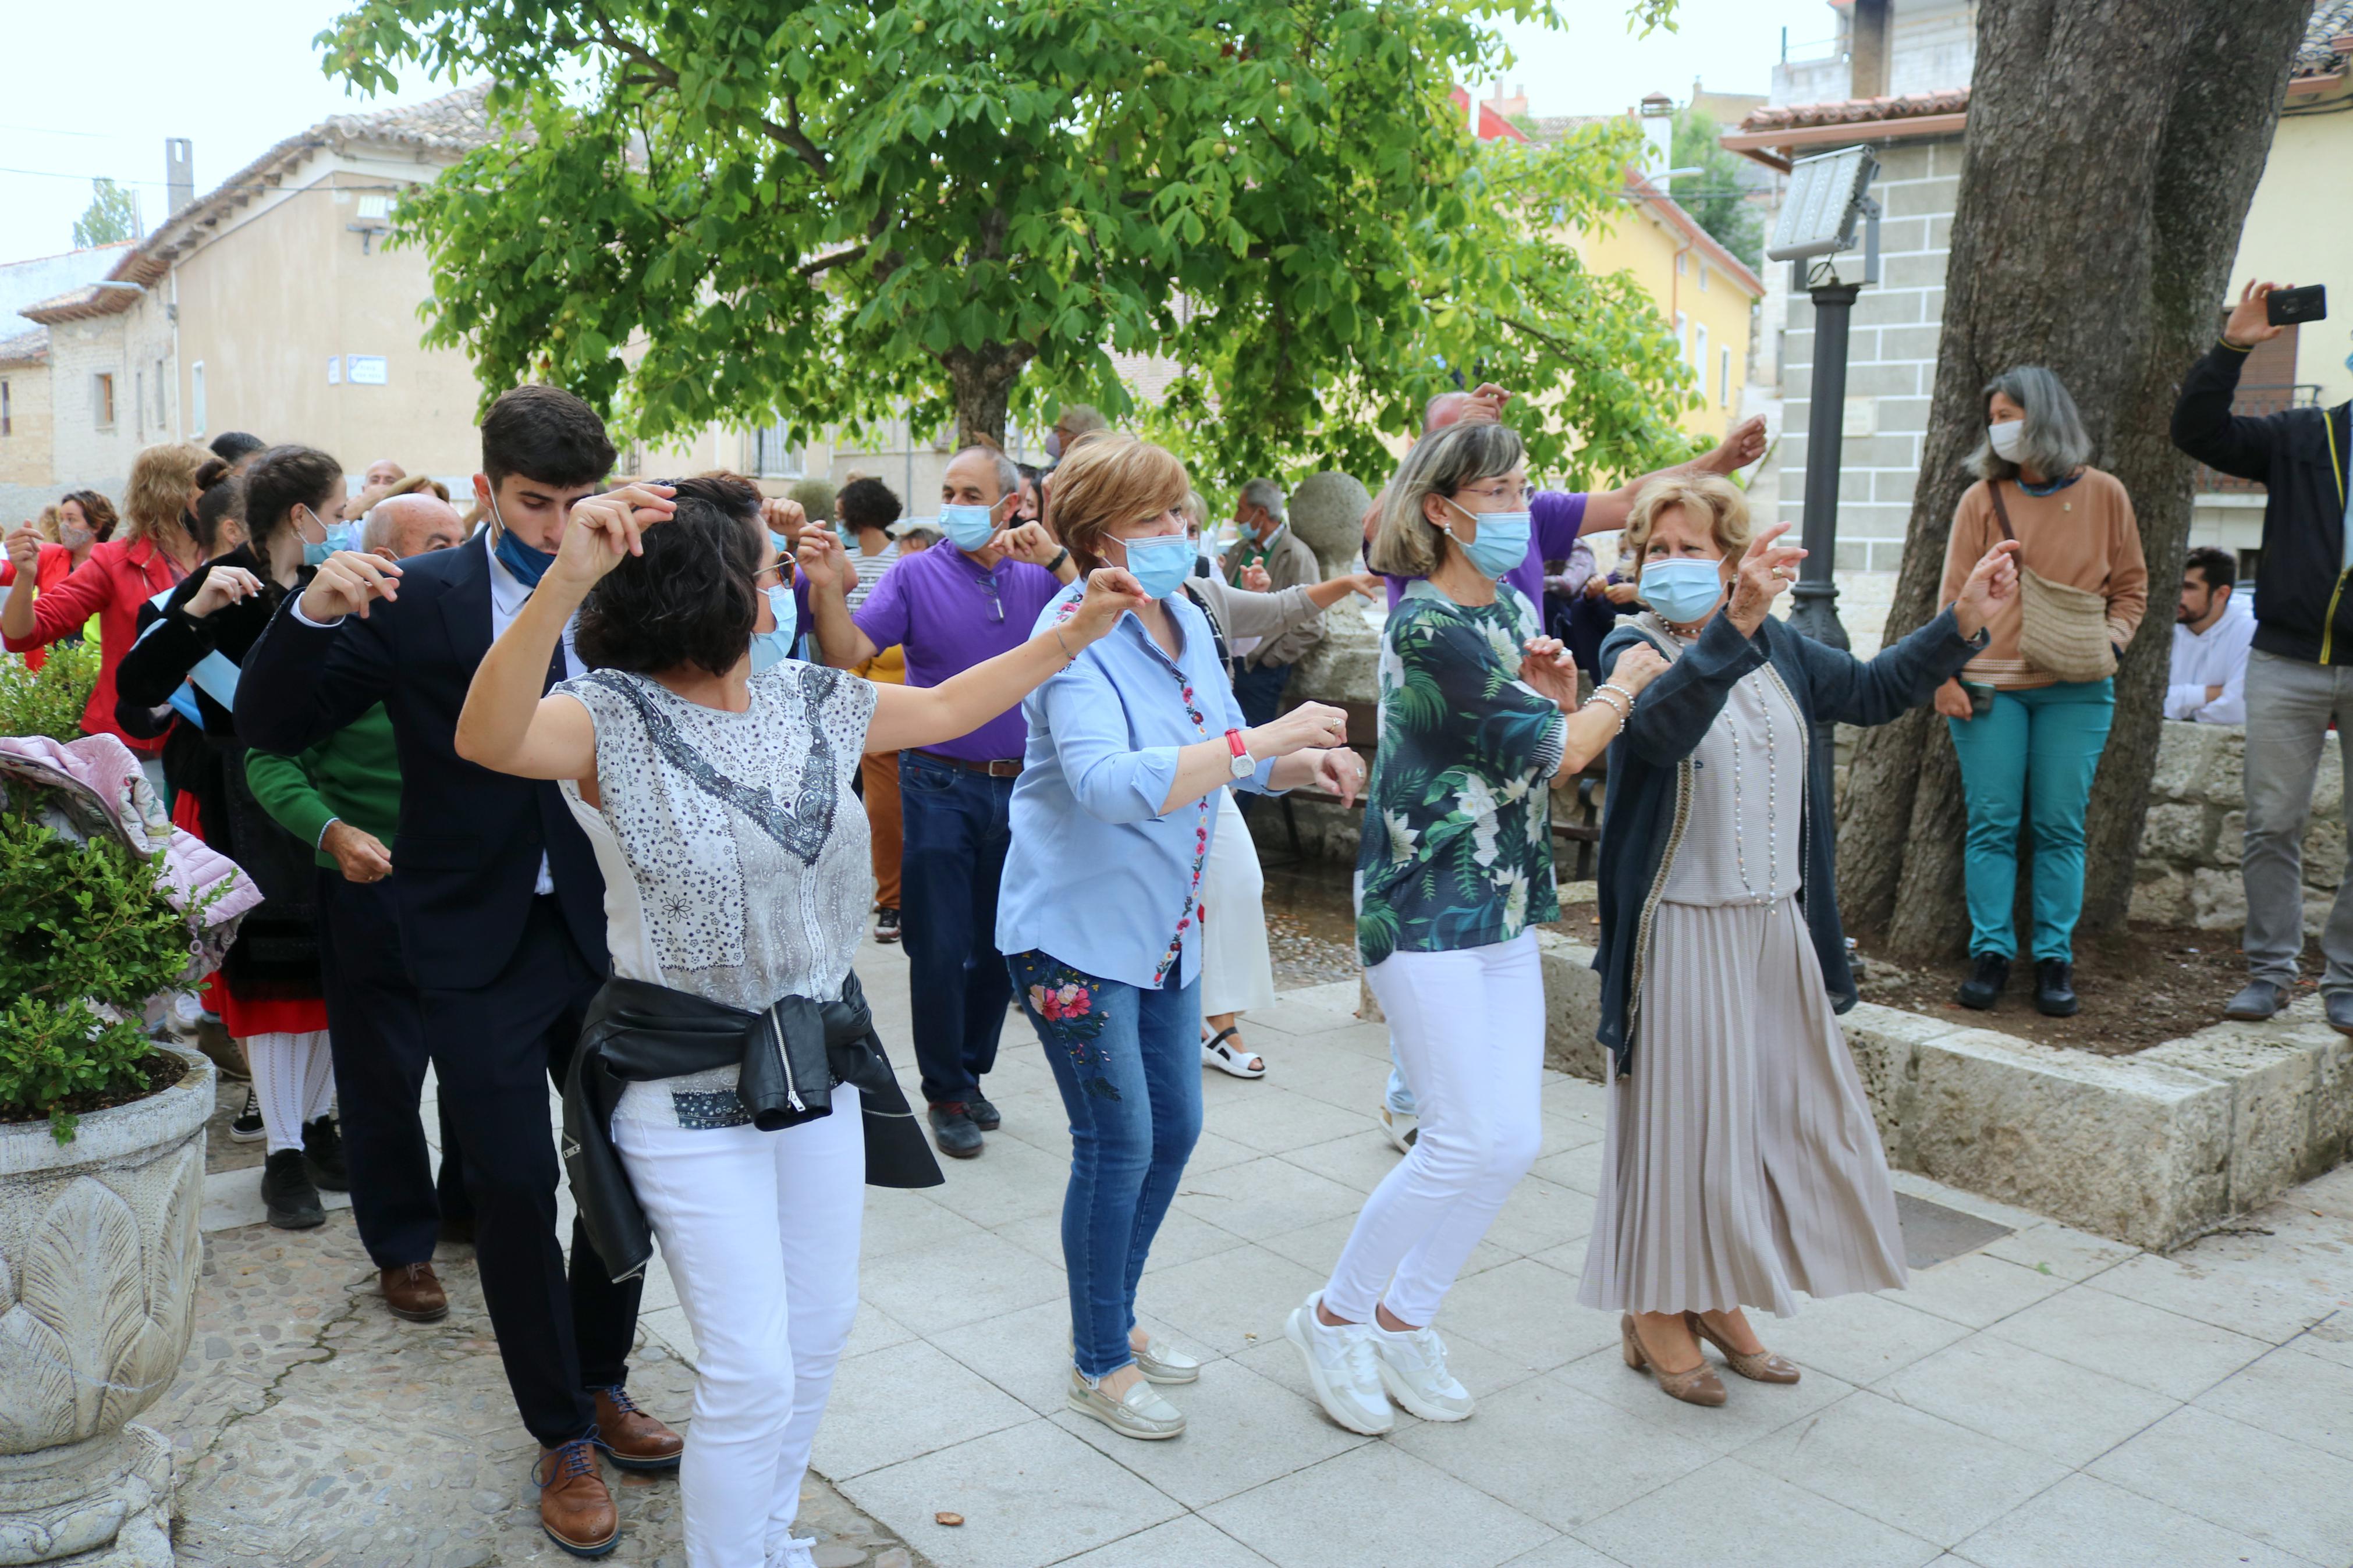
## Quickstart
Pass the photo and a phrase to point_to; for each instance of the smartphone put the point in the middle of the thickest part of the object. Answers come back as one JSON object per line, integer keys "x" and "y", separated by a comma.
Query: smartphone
{"x": 1980, "y": 698}
{"x": 2286, "y": 307}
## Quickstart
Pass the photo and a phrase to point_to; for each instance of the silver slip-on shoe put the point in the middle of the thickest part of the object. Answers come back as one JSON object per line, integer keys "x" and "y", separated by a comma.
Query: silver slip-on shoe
{"x": 1159, "y": 1362}
{"x": 1139, "y": 1413}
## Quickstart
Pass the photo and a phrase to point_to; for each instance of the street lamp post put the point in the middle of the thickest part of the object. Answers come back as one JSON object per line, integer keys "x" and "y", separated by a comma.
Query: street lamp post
{"x": 1826, "y": 198}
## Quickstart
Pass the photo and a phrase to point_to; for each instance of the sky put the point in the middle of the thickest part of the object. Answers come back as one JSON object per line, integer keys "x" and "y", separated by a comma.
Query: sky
{"x": 82, "y": 103}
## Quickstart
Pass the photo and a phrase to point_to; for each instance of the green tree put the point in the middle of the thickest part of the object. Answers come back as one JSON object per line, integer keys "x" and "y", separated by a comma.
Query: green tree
{"x": 1714, "y": 195}
{"x": 112, "y": 217}
{"x": 814, "y": 212}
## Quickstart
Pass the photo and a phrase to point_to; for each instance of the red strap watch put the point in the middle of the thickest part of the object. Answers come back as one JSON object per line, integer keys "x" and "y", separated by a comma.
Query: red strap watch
{"x": 1243, "y": 764}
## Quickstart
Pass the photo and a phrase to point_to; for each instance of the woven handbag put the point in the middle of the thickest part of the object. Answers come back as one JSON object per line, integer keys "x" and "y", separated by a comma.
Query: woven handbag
{"x": 2064, "y": 629}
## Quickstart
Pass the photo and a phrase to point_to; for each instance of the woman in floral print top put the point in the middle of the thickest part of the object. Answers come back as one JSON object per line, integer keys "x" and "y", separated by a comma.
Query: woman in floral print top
{"x": 1098, "y": 914}
{"x": 1477, "y": 714}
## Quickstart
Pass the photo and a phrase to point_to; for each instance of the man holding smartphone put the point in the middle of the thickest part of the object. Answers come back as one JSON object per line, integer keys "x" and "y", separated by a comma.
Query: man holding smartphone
{"x": 2300, "y": 672}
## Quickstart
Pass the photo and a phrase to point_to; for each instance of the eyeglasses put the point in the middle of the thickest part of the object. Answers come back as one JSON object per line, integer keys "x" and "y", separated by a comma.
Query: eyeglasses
{"x": 1513, "y": 496}
{"x": 987, "y": 580}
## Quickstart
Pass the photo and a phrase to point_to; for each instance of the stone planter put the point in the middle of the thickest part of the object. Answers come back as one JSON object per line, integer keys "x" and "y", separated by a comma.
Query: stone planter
{"x": 99, "y": 1262}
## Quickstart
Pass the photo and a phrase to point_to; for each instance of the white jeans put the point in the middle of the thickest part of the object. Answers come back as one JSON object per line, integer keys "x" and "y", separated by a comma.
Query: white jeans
{"x": 760, "y": 1232}
{"x": 1468, "y": 1028}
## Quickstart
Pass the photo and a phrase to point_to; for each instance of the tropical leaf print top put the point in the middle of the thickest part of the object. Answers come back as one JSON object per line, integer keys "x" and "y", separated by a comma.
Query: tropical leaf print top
{"x": 1457, "y": 845}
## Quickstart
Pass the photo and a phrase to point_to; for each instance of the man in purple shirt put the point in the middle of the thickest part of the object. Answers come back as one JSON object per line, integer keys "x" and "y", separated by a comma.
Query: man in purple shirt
{"x": 1561, "y": 516}
{"x": 973, "y": 596}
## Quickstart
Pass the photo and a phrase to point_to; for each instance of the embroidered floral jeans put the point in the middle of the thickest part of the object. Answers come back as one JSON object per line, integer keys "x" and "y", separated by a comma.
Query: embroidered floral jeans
{"x": 1128, "y": 1062}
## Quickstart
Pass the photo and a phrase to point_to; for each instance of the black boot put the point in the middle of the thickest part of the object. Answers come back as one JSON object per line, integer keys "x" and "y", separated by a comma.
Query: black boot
{"x": 1988, "y": 974}
{"x": 287, "y": 1194}
{"x": 323, "y": 1155}
{"x": 2054, "y": 987}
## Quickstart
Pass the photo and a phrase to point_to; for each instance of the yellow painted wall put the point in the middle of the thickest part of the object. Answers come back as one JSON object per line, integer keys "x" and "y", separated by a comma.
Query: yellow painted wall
{"x": 1645, "y": 246}
{"x": 2300, "y": 230}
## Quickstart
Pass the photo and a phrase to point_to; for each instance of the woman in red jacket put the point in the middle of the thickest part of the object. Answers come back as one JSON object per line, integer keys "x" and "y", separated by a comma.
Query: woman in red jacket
{"x": 49, "y": 553}
{"x": 151, "y": 556}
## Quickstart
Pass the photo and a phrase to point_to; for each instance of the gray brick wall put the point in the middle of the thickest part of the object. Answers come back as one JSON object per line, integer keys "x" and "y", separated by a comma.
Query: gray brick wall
{"x": 1891, "y": 358}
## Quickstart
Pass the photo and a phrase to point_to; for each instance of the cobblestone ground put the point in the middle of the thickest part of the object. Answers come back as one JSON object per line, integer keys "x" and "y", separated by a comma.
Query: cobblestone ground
{"x": 312, "y": 1429}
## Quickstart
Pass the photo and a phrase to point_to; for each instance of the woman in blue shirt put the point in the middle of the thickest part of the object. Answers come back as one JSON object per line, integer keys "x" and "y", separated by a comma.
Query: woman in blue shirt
{"x": 1112, "y": 820}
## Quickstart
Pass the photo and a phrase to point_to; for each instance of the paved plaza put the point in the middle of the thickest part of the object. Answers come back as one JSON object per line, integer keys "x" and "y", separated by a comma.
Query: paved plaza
{"x": 2042, "y": 1397}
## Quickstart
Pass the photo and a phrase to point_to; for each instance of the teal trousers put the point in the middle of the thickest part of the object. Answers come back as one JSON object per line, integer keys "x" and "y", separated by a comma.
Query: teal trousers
{"x": 2033, "y": 756}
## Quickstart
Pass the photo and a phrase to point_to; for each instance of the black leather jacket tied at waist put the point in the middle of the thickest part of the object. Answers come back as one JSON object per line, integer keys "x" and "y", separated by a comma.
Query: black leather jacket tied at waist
{"x": 790, "y": 1057}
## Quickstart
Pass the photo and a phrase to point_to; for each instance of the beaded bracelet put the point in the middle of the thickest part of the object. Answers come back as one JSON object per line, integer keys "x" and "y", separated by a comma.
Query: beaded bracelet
{"x": 1613, "y": 686}
{"x": 1603, "y": 695}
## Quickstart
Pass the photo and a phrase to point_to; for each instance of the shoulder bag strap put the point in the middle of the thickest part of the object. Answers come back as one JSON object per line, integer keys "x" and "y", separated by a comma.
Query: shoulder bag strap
{"x": 2001, "y": 513}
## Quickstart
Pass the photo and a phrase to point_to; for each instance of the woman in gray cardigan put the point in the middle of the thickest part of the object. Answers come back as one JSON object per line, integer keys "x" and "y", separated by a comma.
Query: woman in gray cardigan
{"x": 1742, "y": 1163}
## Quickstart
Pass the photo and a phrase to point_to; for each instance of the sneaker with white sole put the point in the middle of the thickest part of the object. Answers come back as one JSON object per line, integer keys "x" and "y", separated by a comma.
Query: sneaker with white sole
{"x": 794, "y": 1554}
{"x": 1401, "y": 1128}
{"x": 1139, "y": 1413}
{"x": 1413, "y": 1370}
{"x": 1342, "y": 1367}
{"x": 246, "y": 1126}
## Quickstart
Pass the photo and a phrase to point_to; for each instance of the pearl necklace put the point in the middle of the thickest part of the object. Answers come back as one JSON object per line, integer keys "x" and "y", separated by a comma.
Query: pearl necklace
{"x": 1772, "y": 810}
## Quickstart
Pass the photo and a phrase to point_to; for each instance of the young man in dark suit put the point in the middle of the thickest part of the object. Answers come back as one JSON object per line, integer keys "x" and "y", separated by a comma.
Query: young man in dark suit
{"x": 501, "y": 913}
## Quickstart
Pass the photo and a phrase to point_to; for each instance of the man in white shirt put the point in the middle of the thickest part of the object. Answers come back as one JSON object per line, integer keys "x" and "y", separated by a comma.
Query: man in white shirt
{"x": 2211, "y": 632}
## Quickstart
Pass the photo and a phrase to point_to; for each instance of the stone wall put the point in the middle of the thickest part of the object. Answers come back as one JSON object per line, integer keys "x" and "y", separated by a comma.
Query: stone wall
{"x": 2189, "y": 871}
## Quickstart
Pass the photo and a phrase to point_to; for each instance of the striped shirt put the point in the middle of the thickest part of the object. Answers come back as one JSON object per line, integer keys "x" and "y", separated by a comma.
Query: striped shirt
{"x": 869, "y": 570}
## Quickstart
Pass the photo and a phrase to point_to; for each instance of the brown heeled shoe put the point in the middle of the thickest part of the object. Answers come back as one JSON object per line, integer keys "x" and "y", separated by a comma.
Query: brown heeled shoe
{"x": 1700, "y": 1385}
{"x": 1758, "y": 1366}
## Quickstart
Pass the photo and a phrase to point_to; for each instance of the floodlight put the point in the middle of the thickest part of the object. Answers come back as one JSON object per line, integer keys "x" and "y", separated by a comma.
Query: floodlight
{"x": 1825, "y": 196}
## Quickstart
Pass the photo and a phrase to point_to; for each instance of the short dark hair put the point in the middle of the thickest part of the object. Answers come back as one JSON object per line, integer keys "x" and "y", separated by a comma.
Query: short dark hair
{"x": 281, "y": 479}
{"x": 98, "y": 512}
{"x": 867, "y": 503}
{"x": 689, "y": 598}
{"x": 231, "y": 444}
{"x": 2220, "y": 568}
{"x": 544, "y": 433}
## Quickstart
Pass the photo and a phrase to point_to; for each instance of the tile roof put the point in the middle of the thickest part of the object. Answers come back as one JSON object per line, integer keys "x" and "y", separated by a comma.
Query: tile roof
{"x": 29, "y": 347}
{"x": 1859, "y": 110}
{"x": 450, "y": 125}
{"x": 2327, "y": 40}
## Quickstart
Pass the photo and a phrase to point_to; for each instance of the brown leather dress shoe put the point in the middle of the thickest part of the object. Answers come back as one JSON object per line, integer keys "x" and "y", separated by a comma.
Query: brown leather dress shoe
{"x": 413, "y": 1291}
{"x": 635, "y": 1440}
{"x": 575, "y": 1508}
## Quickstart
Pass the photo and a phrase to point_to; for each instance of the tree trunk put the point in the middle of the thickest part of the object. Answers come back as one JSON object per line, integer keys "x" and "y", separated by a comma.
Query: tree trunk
{"x": 982, "y": 382}
{"x": 2111, "y": 154}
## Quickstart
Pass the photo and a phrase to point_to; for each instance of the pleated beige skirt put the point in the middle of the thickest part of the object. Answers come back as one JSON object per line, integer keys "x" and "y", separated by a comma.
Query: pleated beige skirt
{"x": 1742, "y": 1163}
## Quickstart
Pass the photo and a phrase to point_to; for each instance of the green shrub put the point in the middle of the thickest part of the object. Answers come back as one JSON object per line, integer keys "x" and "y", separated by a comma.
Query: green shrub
{"x": 87, "y": 935}
{"x": 48, "y": 701}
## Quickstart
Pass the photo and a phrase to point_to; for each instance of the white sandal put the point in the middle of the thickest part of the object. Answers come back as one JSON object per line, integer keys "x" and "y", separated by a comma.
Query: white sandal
{"x": 1217, "y": 1053}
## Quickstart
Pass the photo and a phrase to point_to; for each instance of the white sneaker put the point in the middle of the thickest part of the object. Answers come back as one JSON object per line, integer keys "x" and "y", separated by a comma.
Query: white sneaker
{"x": 793, "y": 1553}
{"x": 188, "y": 1012}
{"x": 1413, "y": 1370}
{"x": 1342, "y": 1368}
{"x": 1402, "y": 1129}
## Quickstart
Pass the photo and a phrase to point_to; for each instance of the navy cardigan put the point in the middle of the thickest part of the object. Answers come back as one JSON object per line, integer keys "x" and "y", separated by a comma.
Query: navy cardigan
{"x": 1650, "y": 779}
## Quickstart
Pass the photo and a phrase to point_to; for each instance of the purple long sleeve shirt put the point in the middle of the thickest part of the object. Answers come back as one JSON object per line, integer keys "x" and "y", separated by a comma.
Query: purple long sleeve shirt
{"x": 949, "y": 615}
{"x": 1558, "y": 515}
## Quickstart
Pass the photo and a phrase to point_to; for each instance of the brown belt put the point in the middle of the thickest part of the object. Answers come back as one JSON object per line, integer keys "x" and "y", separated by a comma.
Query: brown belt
{"x": 1003, "y": 768}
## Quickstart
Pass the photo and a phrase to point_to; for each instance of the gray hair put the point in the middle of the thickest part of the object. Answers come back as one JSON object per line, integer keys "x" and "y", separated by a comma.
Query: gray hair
{"x": 2055, "y": 442}
{"x": 1083, "y": 419}
{"x": 1407, "y": 545}
{"x": 1008, "y": 472}
{"x": 1263, "y": 493}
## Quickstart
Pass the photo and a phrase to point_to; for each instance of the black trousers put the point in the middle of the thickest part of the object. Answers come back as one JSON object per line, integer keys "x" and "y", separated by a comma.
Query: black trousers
{"x": 495, "y": 1050}
{"x": 376, "y": 1035}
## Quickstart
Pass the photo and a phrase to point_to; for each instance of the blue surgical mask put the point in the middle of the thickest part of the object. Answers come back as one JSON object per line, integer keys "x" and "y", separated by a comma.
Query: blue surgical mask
{"x": 528, "y": 564}
{"x": 340, "y": 536}
{"x": 1161, "y": 564}
{"x": 1502, "y": 541}
{"x": 772, "y": 648}
{"x": 969, "y": 527}
{"x": 1681, "y": 589}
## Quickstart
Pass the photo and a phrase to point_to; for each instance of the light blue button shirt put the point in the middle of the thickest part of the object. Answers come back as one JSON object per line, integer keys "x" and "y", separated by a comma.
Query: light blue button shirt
{"x": 1096, "y": 875}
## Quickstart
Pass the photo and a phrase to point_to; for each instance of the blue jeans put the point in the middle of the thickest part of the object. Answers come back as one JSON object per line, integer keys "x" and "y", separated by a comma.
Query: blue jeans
{"x": 1128, "y": 1062}
{"x": 1258, "y": 691}
{"x": 2035, "y": 756}
{"x": 954, "y": 836}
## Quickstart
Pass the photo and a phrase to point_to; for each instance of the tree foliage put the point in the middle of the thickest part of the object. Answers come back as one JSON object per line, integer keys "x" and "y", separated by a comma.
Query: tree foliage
{"x": 816, "y": 212}
{"x": 48, "y": 701}
{"x": 112, "y": 217}
{"x": 1715, "y": 196}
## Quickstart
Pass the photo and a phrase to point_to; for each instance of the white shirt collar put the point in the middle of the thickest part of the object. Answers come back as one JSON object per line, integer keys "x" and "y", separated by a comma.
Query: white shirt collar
{"x": 508, "y": 592}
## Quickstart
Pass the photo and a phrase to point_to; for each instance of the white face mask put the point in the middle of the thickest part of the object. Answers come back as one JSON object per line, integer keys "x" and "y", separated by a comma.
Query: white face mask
{"x": 2007, "y": 437}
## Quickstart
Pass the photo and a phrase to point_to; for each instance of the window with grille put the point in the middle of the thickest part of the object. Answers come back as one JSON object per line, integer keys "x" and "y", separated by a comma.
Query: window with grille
{"x": 773, "y": 454}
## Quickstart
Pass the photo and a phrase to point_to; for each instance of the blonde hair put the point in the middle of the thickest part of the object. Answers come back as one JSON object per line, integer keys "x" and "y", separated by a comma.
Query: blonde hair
{"x": 1108, "y": 480}
{"x": 46, "y": 524}
{"x": 157, "y": 494}
{"x": 1406, "y": 544}
{"x": 1720, "y": 498}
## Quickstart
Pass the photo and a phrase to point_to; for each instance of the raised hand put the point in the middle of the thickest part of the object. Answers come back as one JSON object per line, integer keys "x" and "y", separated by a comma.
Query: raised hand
{"x": 1767, "y": 569}
{"x": 1307, "y": 725}
{"x": 1740, "y": 448}
{"x": 603, "y": 528}
{"x": 1340, "y": 771}
{"x": 1255, "y": 579}
{"x": 823, "y": 562}
{"x": 1548, "y": 669}
{"x": 1027, "y": 541}
{"x": 1112, "y": 591}
{"x": 1993, "y": 582}
{"x": 786, "y": 518}
{"x": 25, "y": 544}
{"x": 1637, "y": 667}
{"x": 347, "y": 584}
{"x": 2251, "y": 322}
{"x": 1486, "y": 405}
{"x": 223, "y": 586}
{"x": 359, "y": 854}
